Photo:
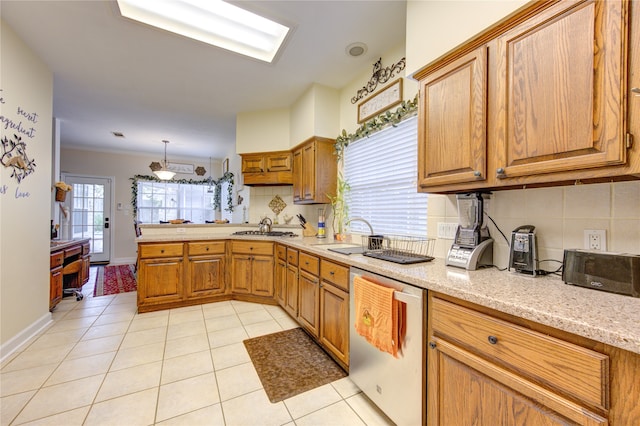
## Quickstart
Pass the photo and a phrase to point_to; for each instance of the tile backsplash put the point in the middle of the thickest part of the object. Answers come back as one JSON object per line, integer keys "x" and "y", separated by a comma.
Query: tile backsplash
{"x": 260, "y": 196}
{"x": 560, "y": 215}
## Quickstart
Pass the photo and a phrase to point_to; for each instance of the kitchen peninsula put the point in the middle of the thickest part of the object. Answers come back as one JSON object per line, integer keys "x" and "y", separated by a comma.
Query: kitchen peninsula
{"x": 546, "y": 326}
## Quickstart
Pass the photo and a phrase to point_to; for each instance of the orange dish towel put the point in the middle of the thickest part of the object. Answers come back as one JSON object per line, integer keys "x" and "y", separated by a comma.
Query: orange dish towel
{"x": 376, "y": 315}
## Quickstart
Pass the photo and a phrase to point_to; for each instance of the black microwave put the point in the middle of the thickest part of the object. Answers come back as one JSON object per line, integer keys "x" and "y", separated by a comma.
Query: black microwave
{"x": 613, "y": 272}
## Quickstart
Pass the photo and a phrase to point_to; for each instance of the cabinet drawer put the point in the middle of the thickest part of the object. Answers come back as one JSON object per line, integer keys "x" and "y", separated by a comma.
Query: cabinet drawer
{"x": 563, "y": 366}
{"x": 72, "y": 251}
{"x": 208, "y": 247}
{"x": 252, "y": 247}
{"x": 56, "y": 259}
{"x": 253, "y": 164}
{"x": 309, "y": 263}
{"x": 335, "y": 274}
{"x": 160, "y": 250}
{"x": 281, "y": 251}
{"x": 292, "y": 256}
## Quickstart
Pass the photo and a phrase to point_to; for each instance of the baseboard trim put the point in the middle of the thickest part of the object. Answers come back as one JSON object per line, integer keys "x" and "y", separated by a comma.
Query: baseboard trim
{"x": 123, "y": 261}
{"x": 13, "y": 344}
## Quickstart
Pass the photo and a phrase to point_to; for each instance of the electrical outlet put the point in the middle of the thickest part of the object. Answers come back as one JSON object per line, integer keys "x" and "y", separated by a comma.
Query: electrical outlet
{"x": 595, "y": 239}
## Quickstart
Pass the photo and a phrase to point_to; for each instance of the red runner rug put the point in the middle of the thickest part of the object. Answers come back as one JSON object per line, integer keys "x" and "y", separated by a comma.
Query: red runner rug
{"x": 114, "y": 279}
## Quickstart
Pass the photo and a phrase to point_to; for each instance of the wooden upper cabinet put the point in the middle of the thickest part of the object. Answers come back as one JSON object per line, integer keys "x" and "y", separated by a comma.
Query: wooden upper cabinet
{"x": 267, "y": 168}
{"x": 315, "y": 171}
{"x": 540, "y": 98}
{"x": 452, "y": 124}
{"x": 559, "y": 98}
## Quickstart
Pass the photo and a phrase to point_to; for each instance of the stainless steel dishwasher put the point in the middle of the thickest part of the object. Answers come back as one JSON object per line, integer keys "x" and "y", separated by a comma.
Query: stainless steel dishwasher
{"x": 396, "y": 385}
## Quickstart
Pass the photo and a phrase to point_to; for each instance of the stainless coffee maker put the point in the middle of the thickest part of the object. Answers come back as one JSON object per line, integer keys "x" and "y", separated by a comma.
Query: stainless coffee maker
{"x": 472, "y": 246}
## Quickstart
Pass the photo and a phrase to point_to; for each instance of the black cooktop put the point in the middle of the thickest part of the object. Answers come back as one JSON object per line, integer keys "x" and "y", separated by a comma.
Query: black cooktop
{"x": 268, "y": 234}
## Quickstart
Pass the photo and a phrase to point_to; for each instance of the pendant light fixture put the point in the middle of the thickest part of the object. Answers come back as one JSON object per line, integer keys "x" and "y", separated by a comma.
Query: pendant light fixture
{"x": 210, "y": 188}
{"x": 164, "y": 173}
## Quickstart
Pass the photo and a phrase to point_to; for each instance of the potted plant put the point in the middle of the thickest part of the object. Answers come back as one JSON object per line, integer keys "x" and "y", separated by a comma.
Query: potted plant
{"x": 61, "y": 191}
{"x": 340, "y": 208}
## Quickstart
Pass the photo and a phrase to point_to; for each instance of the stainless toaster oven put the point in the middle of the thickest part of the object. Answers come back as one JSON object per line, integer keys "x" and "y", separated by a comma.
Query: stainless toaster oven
{"x": 612, "y": 272}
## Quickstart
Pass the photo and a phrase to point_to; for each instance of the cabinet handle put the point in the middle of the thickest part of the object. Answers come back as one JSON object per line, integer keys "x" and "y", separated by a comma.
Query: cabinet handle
{"x": 432, "y": 345}
{"x": 636, "y": 91}
{"x": 493, "y": 340}
{"x": 161, "y": 250}
{"x": 207, "y": 249}
{"x": 477, "y": 173}
{"x": 500, "y": 174}
{"x": 331, "y": 273}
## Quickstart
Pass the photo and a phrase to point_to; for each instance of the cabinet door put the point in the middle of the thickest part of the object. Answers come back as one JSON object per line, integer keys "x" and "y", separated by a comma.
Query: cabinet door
{"x": 452, "y": 142}
{"x": 206, "y": 276}
{"x": 297, "y": 175}
{"x": 465, "y": 389}
{"x": 241, "y": 274}
{"x": 309, "y": 306}
{"x": 309, "y": 171}
{"x": 334, "y": 320}
{"x": 160, "y": 280}
{"x": 262, "y": 276}
{"x": 55, "y": 289}
{"x": 559, "y": 98}
{"x": 281, "y": 282}
{"x": 252, "y": 164}
{"x": 291, "y": 298}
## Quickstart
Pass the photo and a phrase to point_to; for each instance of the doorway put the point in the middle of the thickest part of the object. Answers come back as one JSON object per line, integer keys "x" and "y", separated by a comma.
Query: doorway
{"x": 89, "y": 214}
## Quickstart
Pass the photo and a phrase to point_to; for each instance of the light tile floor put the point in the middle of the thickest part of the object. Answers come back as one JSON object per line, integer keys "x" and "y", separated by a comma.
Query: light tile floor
{"x": 101, "y": 363}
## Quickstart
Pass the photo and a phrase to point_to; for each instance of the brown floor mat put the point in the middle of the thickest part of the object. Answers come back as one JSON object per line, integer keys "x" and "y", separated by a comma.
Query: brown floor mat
{"x": 290, "y": 362}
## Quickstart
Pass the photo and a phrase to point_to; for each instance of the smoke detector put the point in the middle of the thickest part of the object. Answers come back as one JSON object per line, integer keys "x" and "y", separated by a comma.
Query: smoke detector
{"x": 356, "y": 49}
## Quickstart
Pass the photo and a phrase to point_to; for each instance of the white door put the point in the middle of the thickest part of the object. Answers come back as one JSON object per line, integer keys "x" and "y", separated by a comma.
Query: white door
{"x": 89, "y": 210}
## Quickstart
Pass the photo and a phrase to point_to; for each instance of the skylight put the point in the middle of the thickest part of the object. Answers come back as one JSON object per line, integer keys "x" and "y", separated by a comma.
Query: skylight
{"x": 211, "y": 21}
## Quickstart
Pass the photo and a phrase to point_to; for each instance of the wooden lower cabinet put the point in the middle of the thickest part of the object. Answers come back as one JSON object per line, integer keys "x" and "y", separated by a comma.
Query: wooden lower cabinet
{"x": 252, "y": 268}
{"x": 291, "y": 290}
{"x": 55, "y": 289}
{"x": 309, "y": 302}
{"x": 163, "y": 281}
{"x": 281, "y": 282}
{"x": 334, "y": 320}
{"x": 487, "y": 370}
{"x": 206, "y": 276}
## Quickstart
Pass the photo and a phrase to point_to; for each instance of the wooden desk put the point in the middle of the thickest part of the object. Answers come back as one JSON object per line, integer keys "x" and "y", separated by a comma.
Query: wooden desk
{"x": 69, "y": 263}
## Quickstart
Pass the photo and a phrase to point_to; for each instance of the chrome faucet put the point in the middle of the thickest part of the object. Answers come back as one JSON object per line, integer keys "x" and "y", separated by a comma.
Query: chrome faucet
{"x": 359, "y": 219}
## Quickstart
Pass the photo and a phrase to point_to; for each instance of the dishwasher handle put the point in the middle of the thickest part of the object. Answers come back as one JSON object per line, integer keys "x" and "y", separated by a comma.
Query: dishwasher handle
{"x": 407, "y": 298}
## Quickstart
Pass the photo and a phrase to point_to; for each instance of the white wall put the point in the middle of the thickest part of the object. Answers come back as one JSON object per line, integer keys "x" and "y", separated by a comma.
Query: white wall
{"x": 123, "y": 167}
{"x": 27, "y": 84}
{"x": 435, "y": 27}
{"x": 260, "y": 131}
{"x": 315, "y": 113}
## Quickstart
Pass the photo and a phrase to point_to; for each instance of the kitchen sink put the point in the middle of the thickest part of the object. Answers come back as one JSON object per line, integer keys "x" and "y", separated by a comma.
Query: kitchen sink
{"x": 342, "y": 248}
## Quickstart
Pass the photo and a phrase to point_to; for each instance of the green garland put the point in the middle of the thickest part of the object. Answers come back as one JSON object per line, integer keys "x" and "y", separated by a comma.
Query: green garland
{"x": 227, "y": 177}
{"x": 405, "y": 110}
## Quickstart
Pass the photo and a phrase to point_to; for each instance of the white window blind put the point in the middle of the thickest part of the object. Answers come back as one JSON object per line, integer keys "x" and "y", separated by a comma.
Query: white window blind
{"x": 382, "y": 171}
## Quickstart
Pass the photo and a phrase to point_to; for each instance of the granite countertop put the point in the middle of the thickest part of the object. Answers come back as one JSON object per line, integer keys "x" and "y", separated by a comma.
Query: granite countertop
{"x": 57, "y": 245}
{"x": 605, "y": 317}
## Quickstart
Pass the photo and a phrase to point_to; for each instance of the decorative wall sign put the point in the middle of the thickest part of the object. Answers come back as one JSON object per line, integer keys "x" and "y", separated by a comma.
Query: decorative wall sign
{"x": 200, "y": 171}
{"x": 380, "y": 101}
{"x": 180, "y": 168}
{"x": 14, "y": 155}
{"x": 380, "y": 75}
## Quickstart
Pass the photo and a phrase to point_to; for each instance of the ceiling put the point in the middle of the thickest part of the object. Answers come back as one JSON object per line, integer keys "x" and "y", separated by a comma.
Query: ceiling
{"x": 112, "y": 74}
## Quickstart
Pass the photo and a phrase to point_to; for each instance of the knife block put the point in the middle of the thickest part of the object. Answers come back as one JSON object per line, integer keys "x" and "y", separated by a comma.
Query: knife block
{"x": 309, "y": 230}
